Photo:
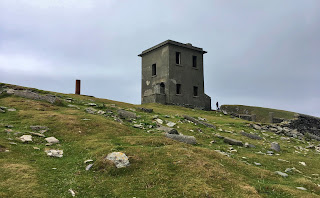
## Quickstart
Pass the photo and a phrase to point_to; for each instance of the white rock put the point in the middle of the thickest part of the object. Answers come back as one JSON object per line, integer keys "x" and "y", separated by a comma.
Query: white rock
{"x": 281, "y": 174}
{"x": 303, "y": 163}
{"x": 54, "y": 153}
{"x": 171, "y": 124}
{"x": 52, "y": 140}
{"x": 89, "y": 160}
{"x": 301, "y": 188}
{"x": 159, "y": 121}
{"x": 257, "y": 164}
{"x": 11, "y": 109}
{"x": 72, "y": 192}
{"x": 88, "y": 167}
{"x": 26, "y": 138}
{"x": 119, "y": 159}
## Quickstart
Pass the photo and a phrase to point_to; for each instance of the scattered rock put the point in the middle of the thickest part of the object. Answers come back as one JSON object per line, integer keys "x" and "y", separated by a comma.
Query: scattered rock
{"x": 52, "y": 140}
{"x": 211, "y": 142}
{"x": 36, "y": 148}
{"x": 257, "y": 127}
{"x": 9, "y": 126}
{"x": 12, "y": 143}
{"x": 145, "y": 110}
{"x": 168, "y": 130}
{"x": 88, "y": 167}
{"x": 54, "y": 153}
{"x": 303, "y": 163}
{"x": 171, "y": 124}
{"x": 270, "y": 152}
{"x": 11, "y": 109}
{"x": 281, "y": 174}
{"x": 73, "y": 106}
{"x": 38, "y": 128}
{"x": 119, "y": 159}
{"x": 252, "y": 136}
{"x": 199, "y": 122}
{"x": 182, "y": 138}
{"x": 173, "y": 131}
{"x": 301, "y": 188}
{"x": 37, "y": 134}
{"x": 91, "y": 110}
{"x": 139, "y": 126}
{"x": 247, "y": 145}
{"x": 288, "y": 170}
{"x": 275, "y": 146}
{"x": 26, "y": 138}
{"x": 72, "y": 192}
{"x": 257, "y": 164}
{"x": 100, "y": 112}
{"x": 127, "y": 114}
{"x": 159, "y": 121}
{"x": 92, "y": 104}
{"x": 232, "y": 141}
{"x": 89, "y": 160}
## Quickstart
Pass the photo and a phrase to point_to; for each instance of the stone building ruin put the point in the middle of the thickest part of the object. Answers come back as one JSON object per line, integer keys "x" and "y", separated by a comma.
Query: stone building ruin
{"x": 172, "y": 73}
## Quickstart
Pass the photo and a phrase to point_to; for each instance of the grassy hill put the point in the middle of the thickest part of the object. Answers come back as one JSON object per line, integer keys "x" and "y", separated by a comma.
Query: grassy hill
{"x": 262, "y": 114}
{"x": 160, "y": 167}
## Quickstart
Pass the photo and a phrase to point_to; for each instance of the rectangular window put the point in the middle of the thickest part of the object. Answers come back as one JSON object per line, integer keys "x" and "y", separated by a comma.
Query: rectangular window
{"x": 154, "y": 70}
{"x": 195, "y": 91}
{"x": 178, "y": 91}
{"x": 178, "y": 58}
{"x": 194, "y": 61}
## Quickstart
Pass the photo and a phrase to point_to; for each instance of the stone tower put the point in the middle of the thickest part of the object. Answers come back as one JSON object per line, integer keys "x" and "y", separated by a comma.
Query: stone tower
{"x": 172, "y": 73}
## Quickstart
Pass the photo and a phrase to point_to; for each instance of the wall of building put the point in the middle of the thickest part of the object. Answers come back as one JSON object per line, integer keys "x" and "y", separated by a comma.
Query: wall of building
{"x": 187, "y": 76}
{"x": 151, "y": 84}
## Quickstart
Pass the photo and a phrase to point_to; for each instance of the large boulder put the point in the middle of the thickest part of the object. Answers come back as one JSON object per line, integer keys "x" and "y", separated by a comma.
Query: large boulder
{"x": 182, "y": 138}
{"x": 26, "y": 138}
{"x": 275, "y": 146}
{"x": 127, "y": 114}
{"x": 232, "y": 141}
{"x": 119, "y": 159}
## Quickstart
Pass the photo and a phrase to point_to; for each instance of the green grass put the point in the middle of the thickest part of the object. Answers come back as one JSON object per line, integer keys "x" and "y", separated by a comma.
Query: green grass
{"x": 160, "y": 167}
{"x": 262, "y": 114}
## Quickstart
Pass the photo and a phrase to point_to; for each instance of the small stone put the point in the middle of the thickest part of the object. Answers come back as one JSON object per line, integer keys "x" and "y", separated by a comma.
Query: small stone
{"x": 92, "y": 104}
{"x": 303, "y": 163}
{"x": 52, "y": 140}
{"x": 100, "y": 112}
{"x": 232, "y": 141}
{"x": 119, "y": 159}
{"x": 26, "y": 138}
{"x": 281, "y": 174}
{"x": 54, "y": 153}
{"x": 12, "y": 143}
{"x": 86, "y": 119}
{"x": 72, "y": 192}
{"x": 11, "y": 109}
{"x": 37, "y": 134}
{"x": 91, "y": 110}
{"x": 270, "y": 152}
{"x": 182, "y": 138}
{"x": 257, "y": 127}
{"x": 139, "y": 126}
{"x": 220, "y": 129}
{"x": 257, "y": 164}
{"x": 247, "y": 145}
{"x": 9, "y": 126}
{"x": 159, "y": 121}
{"x": 8, "y": 130}
{"x": 211, "y": 142}
{"x": 89, "y": 160}
{"x": 171, "y": 124}
{"x": 36, "y": 148}
{"x": 301, "y": 188}
{"x": 288, "y": 170}
{"x": 275, "y": 146}
{"x": 38, "y": 128}
{"x": 88, "y": 167}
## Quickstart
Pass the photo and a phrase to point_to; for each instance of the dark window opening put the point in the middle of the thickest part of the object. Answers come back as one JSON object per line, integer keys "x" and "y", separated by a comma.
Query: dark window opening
{"x": 178, "y": 91}
{"x": 194, "y": 61}
{"x": 162, "y": 88}
{"x": 195, "y": 91}
{"x": 178, "y": 58}
{"x": 154, "y": 70}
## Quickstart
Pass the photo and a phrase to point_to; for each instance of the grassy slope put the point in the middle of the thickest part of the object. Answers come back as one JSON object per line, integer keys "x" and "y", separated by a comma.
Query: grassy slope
{"x": 159, "y": 167}
{"x": 262, "y": 114}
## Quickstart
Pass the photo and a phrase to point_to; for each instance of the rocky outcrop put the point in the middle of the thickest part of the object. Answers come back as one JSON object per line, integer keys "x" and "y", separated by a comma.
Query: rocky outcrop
{"x": 35, "y": 96}
{"x": 199, "y": 122}
{"x": 305, "y": 124}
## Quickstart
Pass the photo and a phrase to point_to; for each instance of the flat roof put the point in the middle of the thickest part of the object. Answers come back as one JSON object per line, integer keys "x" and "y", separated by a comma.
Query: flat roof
{"x": 187, "y": 45}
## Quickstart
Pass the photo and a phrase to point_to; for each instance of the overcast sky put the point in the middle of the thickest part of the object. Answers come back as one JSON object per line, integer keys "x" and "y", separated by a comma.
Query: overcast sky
{"x": 260, "y": 53}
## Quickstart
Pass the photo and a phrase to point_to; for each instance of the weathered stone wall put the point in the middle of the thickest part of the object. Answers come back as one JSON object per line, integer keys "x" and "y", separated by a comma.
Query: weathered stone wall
{"x": 306, "y": 124}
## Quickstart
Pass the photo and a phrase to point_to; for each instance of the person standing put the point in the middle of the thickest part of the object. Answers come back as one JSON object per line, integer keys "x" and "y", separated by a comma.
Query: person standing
{"x": 217, "y": 104}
